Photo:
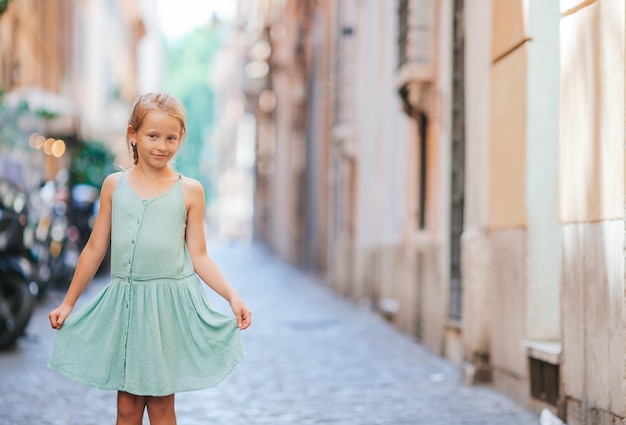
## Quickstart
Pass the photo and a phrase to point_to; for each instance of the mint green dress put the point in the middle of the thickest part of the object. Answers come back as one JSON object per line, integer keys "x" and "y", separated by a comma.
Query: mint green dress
{"x": 151, "y": 331}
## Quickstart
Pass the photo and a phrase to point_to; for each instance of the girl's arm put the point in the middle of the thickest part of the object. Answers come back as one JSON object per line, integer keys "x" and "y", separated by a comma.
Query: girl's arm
{"x": 91, "y": 256}
{"x": 204, "y": 266}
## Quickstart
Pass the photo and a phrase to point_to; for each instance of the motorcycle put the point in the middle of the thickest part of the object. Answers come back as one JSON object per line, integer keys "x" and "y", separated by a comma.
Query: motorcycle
{"x": 18, "y": 286}
{"x": 54, "y": 240}
{"x": 85, "y": 205}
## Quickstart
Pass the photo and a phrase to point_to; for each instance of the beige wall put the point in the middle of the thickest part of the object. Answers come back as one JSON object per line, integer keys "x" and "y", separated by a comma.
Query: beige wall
{"x": 593, "y": 315}
{"x": 592, "y": 126}
{"x": 507, "y": 302}
{"x": 278, "y": 218}
{"x": 507, "y": 206}
{"x": 508, "y": 116}
{"x": 494, "y": 246}
{"x": 283, "y": 181}
{"x": 591, "y": 202}
{"x": 475, "y": 254}
{"x": 35, "y": 44}
{"x": 508, "y": 25}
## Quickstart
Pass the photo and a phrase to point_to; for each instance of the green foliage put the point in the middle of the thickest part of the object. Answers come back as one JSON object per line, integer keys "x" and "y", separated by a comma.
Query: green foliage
{"x": 11, "y": 135}
{"x": 91, "y": 162}
{"x": 4, "y": 4}
{"x": 46, "y": 114}
{"x": 186, "y": 77}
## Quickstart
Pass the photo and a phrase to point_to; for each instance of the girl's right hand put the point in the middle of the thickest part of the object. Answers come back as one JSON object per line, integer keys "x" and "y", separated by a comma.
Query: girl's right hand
{"x": 58, "y": 315}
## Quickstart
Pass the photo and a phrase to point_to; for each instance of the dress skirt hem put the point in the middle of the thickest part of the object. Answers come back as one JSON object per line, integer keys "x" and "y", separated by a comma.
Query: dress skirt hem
{"x": 150, "y": 337}
{"x": 139, "y": 392}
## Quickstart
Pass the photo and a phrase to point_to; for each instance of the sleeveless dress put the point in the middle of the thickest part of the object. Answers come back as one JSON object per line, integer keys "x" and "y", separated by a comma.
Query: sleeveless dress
{"x": 151, "y": 330}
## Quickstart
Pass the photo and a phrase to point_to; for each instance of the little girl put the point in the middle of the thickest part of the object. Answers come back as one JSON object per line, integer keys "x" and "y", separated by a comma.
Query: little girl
{"x": 151, "y": 331}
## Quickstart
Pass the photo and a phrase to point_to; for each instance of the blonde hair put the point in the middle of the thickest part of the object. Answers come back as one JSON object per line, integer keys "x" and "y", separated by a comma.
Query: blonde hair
{"x": 150, "y": 102}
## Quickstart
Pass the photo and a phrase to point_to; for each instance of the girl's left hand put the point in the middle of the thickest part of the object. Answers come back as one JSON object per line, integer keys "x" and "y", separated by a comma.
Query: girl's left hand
{"x": 242, "y": 313}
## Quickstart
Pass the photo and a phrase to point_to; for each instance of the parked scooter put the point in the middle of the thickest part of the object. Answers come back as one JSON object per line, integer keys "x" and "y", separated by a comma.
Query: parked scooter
{"x": 85, "y": 205}
{"x": 55, "y": 240}
{"x": 18, "y": 287}
{"x": 83, "y": 201}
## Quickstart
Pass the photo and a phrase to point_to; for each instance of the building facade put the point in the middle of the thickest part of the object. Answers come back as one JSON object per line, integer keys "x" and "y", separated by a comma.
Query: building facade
{"x": 458, "y": 167}
{"x": 79, "y": 62}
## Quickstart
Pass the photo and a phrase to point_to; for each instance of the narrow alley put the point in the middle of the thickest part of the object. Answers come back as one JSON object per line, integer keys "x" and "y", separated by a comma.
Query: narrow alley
{"x": 312, "y": 358}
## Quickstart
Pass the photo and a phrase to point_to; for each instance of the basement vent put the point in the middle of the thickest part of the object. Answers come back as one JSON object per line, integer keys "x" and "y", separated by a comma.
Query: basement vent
{"x": 544, "y": 381}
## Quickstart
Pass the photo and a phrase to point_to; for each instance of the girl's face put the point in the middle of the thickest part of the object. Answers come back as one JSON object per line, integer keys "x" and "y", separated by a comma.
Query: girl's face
{"x": 157, "y": 139}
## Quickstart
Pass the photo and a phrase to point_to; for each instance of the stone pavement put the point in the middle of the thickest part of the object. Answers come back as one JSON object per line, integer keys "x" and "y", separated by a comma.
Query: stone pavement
{"x": 313, "y": 358}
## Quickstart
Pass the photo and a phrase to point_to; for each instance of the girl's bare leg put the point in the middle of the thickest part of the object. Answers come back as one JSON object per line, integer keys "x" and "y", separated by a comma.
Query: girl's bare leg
{"x": 129, "y": 408}
{"x": 161, "y": 410}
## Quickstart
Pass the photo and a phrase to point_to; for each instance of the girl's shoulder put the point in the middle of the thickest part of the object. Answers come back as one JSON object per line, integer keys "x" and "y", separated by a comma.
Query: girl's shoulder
{"x": 190, "y": 184}
{"x": 111, "y": 180}
{"x": 110, "y": 183}
{"x": 192, "y": 189}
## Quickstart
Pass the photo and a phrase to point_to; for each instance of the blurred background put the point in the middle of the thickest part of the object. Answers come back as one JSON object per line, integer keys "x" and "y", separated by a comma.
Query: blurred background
{"x": 456, "y": 167}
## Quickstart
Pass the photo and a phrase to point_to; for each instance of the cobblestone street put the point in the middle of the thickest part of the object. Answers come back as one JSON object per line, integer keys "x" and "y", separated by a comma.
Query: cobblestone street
{"x": 313, "y": 358}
